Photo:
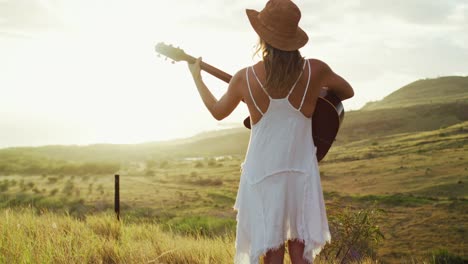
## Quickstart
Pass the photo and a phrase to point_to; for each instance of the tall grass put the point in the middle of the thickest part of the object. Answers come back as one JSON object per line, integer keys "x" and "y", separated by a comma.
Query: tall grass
{"x": 27, "y": 237}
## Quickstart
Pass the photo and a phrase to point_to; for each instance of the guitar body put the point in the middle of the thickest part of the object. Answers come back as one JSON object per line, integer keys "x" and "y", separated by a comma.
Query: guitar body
{"x": 326, "y": 120}
{"x": 327, "y": 117}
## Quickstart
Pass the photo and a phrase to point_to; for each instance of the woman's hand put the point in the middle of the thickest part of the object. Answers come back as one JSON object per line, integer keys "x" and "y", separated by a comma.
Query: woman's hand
{"x": 195, "y": 69}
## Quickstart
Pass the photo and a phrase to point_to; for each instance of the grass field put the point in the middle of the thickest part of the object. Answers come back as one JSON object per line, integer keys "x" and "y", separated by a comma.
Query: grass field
{"x": 418, "y": 179}
{"x": 51, "y": 238}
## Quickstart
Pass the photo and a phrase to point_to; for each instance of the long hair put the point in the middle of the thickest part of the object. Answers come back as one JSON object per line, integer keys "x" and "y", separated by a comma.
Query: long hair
{"x": 282, "y": 68}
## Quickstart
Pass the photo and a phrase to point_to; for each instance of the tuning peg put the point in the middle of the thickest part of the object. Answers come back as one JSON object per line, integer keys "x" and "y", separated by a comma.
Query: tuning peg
{"x": 165, "y": 59}
{"x": 159, "y": 55}
{"x": 172, "y": 62}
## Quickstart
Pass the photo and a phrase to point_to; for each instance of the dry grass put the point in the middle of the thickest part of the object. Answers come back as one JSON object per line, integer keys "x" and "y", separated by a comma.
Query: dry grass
{"x": 27, "y": 237}
{"x": 51, "y": 238}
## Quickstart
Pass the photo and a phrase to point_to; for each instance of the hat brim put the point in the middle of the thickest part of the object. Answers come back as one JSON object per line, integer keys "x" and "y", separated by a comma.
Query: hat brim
{"x": 272, "y": 38}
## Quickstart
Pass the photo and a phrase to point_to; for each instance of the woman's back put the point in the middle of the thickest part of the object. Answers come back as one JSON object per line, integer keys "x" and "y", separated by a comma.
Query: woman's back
{"x": 262, "y": 99}
{"x": 281, "y": 139}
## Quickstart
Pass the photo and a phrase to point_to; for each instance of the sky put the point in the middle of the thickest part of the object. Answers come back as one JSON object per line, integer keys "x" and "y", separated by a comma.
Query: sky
{"x": 85, "y": 71}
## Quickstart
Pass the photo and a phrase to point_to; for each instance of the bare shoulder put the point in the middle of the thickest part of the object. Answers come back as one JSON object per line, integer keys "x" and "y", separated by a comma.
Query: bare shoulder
{"x": 326, "y": 77}
{"x": 319, "y": 65}
{"x": 239, "y": 76}
{"x": 236, "y": 85}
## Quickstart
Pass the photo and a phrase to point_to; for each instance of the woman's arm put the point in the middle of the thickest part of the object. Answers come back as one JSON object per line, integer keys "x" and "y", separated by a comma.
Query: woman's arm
{"x": 335, "y": 83}
{"x": 223, "y": 107}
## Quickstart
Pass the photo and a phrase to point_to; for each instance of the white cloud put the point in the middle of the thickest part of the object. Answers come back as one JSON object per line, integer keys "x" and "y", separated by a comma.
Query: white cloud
{"x": 26, "y": 15}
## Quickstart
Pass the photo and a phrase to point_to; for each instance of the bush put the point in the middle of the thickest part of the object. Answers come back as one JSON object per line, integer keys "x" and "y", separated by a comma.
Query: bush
{"x": 164, "y": 164}
{"x": 68, "y": 188}
{"x": 54, "y": 192}
{"x": 4, "y": 186}
{"x": 52, "y": 180}
{"x": 150, "y": 172}
{"x": 442, "y": 256}
{"x": 355, "y": 234}
{"x": 207, "y": 182}
{"x": 212, "y": 162}
{"x": 151, "y": 164}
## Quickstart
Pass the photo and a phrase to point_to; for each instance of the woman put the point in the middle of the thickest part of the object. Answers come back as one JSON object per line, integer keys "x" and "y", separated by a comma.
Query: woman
{"x": 280, "y": 196}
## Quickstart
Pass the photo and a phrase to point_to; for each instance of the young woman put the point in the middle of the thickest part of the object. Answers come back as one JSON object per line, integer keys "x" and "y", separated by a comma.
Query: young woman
{"x": 280, "y": 199}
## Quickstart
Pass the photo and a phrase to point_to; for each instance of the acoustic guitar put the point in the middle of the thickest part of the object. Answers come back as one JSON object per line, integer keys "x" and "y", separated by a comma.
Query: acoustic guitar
{"x": 326, "y": 120}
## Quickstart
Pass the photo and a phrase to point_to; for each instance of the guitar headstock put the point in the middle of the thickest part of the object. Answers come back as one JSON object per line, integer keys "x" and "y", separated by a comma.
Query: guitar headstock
{"x": 174, "y": 53}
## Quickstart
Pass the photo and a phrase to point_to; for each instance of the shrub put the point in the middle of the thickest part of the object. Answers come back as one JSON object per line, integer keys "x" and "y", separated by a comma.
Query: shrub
{"x": 442, "y": 256}
{"x": 207, "y": 182}
{"x": 52, "y": 180}
{"x": 68, "y": 188}
{"x": 355, "y": 235}
{"x": 149, "y": 172}
{"x": 151, "y": 163}
{"x": 212, "y": 162}
{"x": 90, "y": 188}
{"x": 4, "y": 186}
{"x": 164, "y": 164}
{"x": 53, "y": 192}
{"x": 101, "y": 189}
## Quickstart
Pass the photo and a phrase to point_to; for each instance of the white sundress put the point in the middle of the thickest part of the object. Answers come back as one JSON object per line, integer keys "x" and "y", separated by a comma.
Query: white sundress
{"x": 280, "y": 196}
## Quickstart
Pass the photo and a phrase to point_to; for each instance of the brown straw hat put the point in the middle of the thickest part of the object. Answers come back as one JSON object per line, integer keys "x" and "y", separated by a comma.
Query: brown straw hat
{"x": 277, "y": 24}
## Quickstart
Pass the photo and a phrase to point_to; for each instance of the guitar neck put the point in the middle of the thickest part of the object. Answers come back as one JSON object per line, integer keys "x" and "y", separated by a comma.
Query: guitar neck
{"x": 212, "y": 70}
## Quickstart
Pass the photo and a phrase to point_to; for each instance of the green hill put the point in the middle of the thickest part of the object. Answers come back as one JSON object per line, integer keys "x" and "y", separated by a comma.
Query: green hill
{"x": 423, "y": 105}
{"x": 427, "y": 91}
{"x": 362, "y": 124}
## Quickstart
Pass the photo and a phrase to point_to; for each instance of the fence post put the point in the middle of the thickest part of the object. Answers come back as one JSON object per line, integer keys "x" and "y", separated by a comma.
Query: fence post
{"x": 117, "y": 197}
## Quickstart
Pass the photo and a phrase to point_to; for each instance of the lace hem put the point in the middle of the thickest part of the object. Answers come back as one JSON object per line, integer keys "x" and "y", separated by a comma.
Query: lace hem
{"x": 311, "y": 250}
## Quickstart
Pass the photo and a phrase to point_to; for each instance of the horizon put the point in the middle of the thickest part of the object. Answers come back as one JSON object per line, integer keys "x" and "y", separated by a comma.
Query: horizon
{"x": 200, "y": 133}
{"x": 79, "y": 92}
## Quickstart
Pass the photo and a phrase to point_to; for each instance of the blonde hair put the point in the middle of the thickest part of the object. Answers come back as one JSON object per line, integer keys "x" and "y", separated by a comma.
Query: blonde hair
{"x": 282, "y": 68}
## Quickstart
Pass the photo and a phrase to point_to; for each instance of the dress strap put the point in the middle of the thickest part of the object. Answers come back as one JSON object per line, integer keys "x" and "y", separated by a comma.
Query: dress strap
{"x": 258, "y": 80}
{"x": 298, "y": 78}
{"x": 250, "y": 90}
{"x": 307, "y": 86}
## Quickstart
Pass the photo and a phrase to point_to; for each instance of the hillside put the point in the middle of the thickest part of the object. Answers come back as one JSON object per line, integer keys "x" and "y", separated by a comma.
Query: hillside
{"x": 427, "y": 91}
{"x": 215, "y": 143}
{"x": 362, "y": 124}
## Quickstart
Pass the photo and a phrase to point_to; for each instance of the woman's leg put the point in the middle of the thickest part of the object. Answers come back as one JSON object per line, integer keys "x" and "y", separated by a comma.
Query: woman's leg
{"x": 274, "y": 256}
{"x": 296, "y": 250}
